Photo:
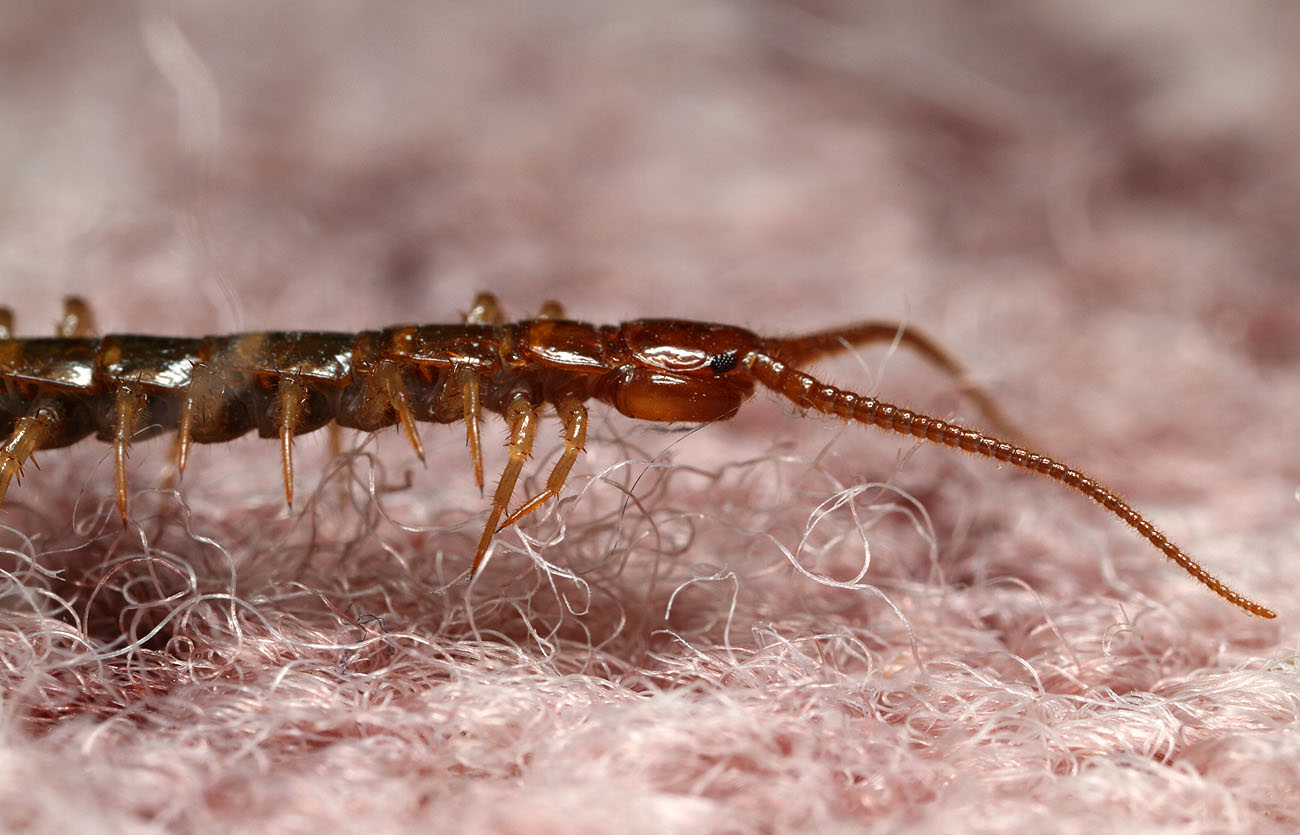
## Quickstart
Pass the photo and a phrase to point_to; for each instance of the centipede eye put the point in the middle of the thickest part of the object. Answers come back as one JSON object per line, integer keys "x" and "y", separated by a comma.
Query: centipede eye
{"x": 722, "y": 363}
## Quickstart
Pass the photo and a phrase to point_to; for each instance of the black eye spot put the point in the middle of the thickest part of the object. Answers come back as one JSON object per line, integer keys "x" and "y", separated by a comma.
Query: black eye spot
{"x": 722, "y": 363}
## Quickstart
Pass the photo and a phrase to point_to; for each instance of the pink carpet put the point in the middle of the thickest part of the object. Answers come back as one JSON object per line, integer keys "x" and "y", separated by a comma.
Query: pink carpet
{"x": 775, "y": 624}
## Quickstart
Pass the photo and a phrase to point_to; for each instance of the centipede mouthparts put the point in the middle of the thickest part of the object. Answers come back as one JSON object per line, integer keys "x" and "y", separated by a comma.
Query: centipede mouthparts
{"x": 123, "y": 387}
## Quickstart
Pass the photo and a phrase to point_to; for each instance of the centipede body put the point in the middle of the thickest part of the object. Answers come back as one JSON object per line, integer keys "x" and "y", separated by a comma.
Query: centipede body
{"x": 121, "y": 388}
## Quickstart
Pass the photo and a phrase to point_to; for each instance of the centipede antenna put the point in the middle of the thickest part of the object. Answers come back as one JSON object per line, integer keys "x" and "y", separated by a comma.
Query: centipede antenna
{"x": 809, "y": 393}
{"x": 799, "y": 351}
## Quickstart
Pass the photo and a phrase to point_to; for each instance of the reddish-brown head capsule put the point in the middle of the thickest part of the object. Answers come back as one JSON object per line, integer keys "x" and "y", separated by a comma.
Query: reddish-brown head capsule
{"x": 698, "y": 348}
{"x": 682, "y": 371}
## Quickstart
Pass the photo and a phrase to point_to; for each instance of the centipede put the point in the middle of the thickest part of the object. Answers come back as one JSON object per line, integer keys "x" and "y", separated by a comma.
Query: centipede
{"x": 125, "y": 387}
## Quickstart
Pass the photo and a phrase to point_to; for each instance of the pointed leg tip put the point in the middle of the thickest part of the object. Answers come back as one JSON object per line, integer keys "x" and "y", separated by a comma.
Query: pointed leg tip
{"x": 287, "y": 468}
{"x": 9, "y": 470}
{"x": 413, "y": 435}
{"x": 476, "y": 568}
{"x": 122, "y": 504}
{"x": 484, "y": 547}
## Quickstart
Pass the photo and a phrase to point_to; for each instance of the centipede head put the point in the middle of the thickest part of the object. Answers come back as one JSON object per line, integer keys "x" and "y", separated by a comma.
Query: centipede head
{"x": 684, "y": 371}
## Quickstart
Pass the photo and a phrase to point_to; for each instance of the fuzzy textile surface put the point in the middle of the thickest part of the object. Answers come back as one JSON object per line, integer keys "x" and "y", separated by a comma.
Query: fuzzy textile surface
{"x": 780, "y": 623}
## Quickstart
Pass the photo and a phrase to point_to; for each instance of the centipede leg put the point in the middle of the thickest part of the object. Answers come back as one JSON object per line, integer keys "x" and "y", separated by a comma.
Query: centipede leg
{"x": 486, "y": 310}
{"x": 574, "y": 417}
{"x": 469, "y": 392}
{"x": 291, "y": 395}
{"x": 521, "y": 417}
{"x": 128, "y": 403}
{"x": 389, "y": 376}
{"x": 30, "y": 432}
{"x": 551, "y": 309}
{"x": 205, "y": 391}
{"x": 6, "y": 323}
{"x": 77, "y": 319}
